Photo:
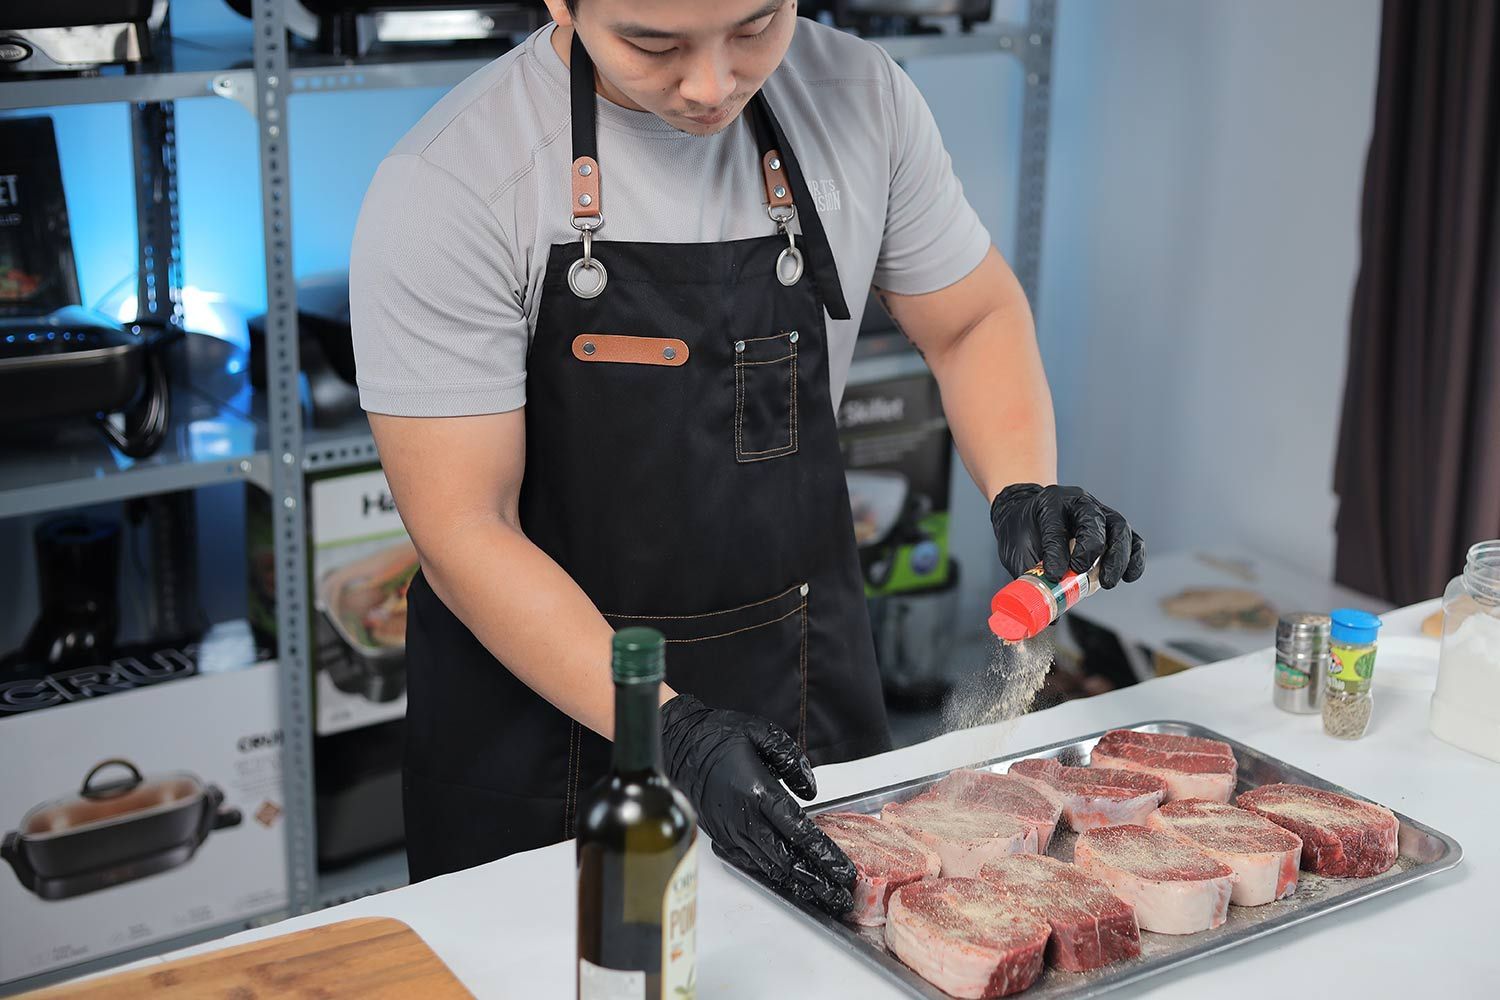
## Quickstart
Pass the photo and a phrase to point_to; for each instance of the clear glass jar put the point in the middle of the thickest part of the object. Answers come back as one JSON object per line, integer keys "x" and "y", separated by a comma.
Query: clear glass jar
{"x": 1466, "y": 705}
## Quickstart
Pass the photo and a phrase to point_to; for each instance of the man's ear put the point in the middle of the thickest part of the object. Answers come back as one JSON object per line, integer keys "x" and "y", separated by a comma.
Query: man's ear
{"x": 559, "y": 11}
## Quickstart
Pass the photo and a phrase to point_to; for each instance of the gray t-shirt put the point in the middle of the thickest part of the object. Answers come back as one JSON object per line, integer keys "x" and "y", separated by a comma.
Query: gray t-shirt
{"x": 452, "y": 241}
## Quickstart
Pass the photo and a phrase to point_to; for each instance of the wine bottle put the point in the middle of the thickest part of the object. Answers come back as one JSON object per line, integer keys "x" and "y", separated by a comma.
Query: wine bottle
{"x": 637, "y": 850}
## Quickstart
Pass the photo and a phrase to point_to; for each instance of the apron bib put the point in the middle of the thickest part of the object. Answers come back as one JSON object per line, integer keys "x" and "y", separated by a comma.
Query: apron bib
{"x": 683, "y": 466}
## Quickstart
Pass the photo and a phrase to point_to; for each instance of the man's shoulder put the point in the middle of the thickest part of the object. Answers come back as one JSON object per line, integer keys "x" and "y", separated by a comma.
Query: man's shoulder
{"x": 821, "y": 55}
{"x": 487, "y": 131}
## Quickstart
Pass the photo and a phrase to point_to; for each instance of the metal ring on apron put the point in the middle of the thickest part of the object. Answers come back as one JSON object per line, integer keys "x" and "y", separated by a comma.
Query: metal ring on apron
{"x": 588, "y": 263}
{"x": 789, "y": 264}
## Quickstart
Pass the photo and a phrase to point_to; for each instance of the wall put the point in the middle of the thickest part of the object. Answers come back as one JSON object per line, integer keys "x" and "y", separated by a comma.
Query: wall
{"x": 1201, "y": 247}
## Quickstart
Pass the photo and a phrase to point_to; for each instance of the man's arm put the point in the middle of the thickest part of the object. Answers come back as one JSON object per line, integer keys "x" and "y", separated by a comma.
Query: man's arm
{"x": 457, "y": 483}
{"x": 977, "y": 337}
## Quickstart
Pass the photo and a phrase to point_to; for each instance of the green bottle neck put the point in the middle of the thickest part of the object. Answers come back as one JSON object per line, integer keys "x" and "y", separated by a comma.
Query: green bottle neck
{"x": 637, "y": 727}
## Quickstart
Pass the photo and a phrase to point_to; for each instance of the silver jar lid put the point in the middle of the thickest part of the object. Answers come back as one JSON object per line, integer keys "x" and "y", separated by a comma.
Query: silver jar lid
{"x": 1303, "y": 632}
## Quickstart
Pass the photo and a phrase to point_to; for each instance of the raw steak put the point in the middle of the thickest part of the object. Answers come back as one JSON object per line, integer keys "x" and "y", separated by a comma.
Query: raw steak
{"x": 1095, "y": 796}
{"x": 884, "y": 859}
{"x": 1193, "y": 767}
{"x": 964, "y": 834}
{"x": 964, "y": 937}
{"x": 1168, "y": 742}
{"x": 1091, "y": 926}
{"x": 1263, "y": 855}
{"x": 1341, "y": 837}
{"x": 1017, "y": 797}
{"x": 1174, "y": 887}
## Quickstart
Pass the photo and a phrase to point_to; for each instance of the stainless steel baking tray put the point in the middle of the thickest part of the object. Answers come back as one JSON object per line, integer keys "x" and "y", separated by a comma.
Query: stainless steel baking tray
{"x": 1423, "y": 851}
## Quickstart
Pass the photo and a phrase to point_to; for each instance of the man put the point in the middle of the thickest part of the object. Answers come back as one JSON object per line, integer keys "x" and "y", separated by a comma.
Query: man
{"x": 601, "y": 298}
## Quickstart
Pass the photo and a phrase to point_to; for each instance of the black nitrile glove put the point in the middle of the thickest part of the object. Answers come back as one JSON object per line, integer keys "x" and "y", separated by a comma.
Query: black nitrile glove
{"x": 731, "y": 767}
{"x": 1035, "y": 524}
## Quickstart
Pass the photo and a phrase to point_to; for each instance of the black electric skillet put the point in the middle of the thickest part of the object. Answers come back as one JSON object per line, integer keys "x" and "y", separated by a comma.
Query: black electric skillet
{"x": 114, "y": 831}
{"x": 72, "y": 363}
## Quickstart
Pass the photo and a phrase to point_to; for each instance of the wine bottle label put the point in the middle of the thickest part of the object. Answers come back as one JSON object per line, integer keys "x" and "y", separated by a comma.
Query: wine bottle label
{"x": 595, "y": 982}
{"x": 679, "y": 929}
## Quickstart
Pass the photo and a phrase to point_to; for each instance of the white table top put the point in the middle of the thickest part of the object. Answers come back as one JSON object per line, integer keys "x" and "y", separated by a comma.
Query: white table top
{"x": 507, "y": 928}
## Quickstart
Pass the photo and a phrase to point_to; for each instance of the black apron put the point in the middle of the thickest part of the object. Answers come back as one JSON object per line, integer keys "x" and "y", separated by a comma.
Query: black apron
{"x": 683, "y": 466}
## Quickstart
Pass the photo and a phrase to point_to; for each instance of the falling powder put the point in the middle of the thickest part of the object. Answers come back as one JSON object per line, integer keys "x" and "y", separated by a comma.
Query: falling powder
{"x": 1008, "y": 686}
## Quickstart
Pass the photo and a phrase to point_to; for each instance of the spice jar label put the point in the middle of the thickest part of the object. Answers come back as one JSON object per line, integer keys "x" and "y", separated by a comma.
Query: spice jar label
{"x": 1353, "y": 666}
{"x": 1289, "y": 677}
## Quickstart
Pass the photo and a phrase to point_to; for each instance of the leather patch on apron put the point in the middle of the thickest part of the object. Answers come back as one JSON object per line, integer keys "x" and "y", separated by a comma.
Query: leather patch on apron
{"x": 630, "y": 350}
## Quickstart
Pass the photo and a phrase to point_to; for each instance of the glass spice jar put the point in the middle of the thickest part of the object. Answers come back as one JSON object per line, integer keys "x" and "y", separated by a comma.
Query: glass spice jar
{"x": 1348, "y": 705}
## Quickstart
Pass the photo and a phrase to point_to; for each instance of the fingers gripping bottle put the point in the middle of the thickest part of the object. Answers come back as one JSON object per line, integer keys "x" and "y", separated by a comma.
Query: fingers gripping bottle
{"x": 1028, "y": 604}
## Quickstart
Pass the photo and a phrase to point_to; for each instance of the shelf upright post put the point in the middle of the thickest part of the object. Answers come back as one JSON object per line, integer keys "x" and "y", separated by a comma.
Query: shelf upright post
{"x": 272, "y": 88}
{"x": 1036, "y": 60}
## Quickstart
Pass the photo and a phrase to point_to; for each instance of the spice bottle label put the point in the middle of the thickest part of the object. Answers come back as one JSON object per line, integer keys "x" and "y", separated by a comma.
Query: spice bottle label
{"x": 1289, "y": 677}
{"x": 1352, "y": 667}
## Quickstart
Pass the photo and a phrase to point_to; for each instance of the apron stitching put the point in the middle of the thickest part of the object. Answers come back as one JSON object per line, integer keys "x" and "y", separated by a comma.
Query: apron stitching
{"x": 578, "y": 734}
{"x": 568, "y": 781}
{"x": 802, "y": 726}
{"x": 793, "y": 392}
{"x": 708, "y": 614}
{"x": 777, "y": 336}
{"x": 773, "y": 361}
{"x": 747, "y": 628}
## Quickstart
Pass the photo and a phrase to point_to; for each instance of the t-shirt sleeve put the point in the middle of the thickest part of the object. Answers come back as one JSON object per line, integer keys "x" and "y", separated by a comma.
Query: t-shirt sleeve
{"x": 932, "y": 236}
{"x": 435, "y": 299}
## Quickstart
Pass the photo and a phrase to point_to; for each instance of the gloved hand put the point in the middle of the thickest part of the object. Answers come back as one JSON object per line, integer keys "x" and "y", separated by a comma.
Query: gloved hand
{"x": 1034, "y": 524}
{"x": 731, "y": 767}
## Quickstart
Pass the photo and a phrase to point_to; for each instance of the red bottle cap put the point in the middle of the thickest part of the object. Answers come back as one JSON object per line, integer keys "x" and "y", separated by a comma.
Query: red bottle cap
{"x": 1020, "y": 611}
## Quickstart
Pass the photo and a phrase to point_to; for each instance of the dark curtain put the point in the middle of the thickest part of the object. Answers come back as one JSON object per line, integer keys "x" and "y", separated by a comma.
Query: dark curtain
{"x": 1418, "y": 469}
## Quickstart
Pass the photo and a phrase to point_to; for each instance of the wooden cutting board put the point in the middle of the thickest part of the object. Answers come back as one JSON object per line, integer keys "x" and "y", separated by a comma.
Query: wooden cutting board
{"x": 373, "y": 958}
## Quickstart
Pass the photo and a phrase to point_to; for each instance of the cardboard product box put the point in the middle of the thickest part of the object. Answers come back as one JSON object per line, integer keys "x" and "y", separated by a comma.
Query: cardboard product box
{"x": 898, "y": 456}
{"x": 138, "y": 818}
{"x": 361, "y": 562}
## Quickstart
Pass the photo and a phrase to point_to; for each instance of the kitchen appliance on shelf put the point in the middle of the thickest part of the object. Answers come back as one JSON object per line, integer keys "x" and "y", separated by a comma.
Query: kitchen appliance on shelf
{"x": 354, "y": 27}
{"x": 898, "y": 17}
{"x": 365, "y": 603}
{"x": 76, "y": 36}
{"x": 888, "y": 518}
{"x": 59, "y": 361}
{"x": 114, "y": 831}
{"x": 325, "y": 347}
{"x": 77, "y": 568}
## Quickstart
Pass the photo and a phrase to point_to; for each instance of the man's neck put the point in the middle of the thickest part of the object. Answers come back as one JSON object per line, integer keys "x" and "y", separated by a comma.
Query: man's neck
{"x": 562, "y": 44}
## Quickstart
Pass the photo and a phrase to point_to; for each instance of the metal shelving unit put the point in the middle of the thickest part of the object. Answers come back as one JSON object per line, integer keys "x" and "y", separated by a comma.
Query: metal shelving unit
{"x": 273, "y": 449}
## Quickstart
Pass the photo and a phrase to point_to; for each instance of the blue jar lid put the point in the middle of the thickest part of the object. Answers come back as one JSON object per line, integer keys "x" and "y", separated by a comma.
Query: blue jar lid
{"x": 1353, "y": 625}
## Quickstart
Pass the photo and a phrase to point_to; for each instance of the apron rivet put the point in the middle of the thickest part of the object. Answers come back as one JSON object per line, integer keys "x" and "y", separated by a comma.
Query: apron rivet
{"x": 775, "y": 163}
{"x": 588, "y": 348}
{"x": 780, "y": 191}
{"x": 585, "y": 200}
{"x": 669, "y": 353}
{"x": 585, "y": 169}
{"x": 739, "y": 347}
{"x": 792, "y": 337}
{"x": 804, "y": 590}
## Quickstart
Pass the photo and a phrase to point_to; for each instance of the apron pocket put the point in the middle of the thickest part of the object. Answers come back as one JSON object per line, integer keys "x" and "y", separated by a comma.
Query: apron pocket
{"x": 752, "y": 658}
{"x": 765, "y": 397}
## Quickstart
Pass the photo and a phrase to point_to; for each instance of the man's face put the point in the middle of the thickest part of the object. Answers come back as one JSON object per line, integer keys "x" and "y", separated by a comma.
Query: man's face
{"x": 693, "y": 63}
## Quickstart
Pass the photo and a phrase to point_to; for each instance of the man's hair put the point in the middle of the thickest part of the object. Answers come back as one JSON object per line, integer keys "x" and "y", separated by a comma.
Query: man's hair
{"x": 572, "y": 6}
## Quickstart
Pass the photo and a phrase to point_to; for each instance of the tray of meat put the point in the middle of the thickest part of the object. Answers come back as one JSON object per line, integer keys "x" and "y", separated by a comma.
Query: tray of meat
{"x": 1073, "y": 869}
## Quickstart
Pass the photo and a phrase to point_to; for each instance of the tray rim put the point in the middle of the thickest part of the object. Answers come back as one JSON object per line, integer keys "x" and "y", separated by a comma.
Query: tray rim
{"x": 901, "y": 976}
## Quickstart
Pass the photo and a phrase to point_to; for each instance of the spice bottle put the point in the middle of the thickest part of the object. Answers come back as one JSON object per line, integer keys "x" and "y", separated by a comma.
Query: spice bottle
{"x": 1347, "y": 704}
{"x": 1301, "y": 675}
{"x": 1466, "y": 705}
{"x": 1023, "y": 608}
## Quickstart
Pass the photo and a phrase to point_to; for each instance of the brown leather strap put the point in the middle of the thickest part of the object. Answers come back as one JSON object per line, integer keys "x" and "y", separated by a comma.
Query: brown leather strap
{"x": 586, "y": 200}
{"x": 778, "y": 188}
{"x": 630, "y": 350}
